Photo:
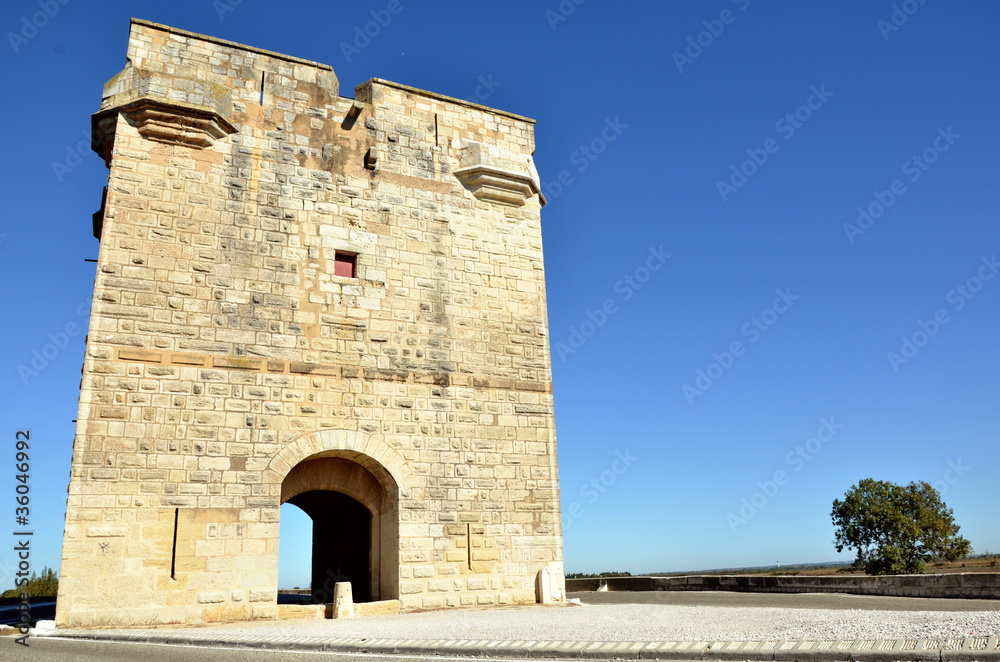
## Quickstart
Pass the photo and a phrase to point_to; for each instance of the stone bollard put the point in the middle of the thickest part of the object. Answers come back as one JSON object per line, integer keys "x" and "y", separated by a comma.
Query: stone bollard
{"x": 558, "y": 585}
{"x": 550, "y": 585}
{"x": 543, "y": 587}
{"x": 343, "y": 600}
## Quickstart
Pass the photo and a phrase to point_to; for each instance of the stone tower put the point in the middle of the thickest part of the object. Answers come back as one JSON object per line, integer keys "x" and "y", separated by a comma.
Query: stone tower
{"x": 303, "y": 297}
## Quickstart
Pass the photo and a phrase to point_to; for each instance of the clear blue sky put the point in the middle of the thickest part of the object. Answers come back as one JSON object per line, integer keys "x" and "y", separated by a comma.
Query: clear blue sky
{"x": 646, "y": 128}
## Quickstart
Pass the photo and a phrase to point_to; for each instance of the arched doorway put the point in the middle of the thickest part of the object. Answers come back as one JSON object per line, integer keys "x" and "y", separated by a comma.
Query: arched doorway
{"x": 341, "y": 543}
{"x": 355, "y": 523}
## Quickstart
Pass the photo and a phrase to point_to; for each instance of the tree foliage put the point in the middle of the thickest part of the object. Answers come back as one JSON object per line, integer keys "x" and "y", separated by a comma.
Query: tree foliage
{"x": 45, "y": 584}
{"x": 896, "y": 529}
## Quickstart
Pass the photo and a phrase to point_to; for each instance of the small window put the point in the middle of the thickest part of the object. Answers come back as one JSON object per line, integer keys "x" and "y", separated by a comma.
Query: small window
{"x": 344, "y": 264}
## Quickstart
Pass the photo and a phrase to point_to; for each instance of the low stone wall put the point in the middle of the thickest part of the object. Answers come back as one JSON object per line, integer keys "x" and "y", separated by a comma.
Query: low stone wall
{"x": 299, "y": 612}
{"x": 323, "y": 611}
{"x": 969, "y": 585}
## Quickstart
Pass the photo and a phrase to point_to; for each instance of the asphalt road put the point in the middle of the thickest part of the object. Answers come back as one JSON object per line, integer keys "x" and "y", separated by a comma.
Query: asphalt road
{"x": 790, "y": 600}
{"x": 64, "y": 650}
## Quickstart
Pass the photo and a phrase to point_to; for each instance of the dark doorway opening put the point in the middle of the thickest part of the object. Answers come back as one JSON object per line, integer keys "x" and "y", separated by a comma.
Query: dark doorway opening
{"x": 341, "y": 543}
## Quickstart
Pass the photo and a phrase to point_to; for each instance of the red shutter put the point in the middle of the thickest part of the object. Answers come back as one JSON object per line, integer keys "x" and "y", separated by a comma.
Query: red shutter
{"x": 343, "y": 265}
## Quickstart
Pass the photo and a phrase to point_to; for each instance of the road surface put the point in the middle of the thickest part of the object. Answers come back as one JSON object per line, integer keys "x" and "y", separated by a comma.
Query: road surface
{"x": 60, "y": 650}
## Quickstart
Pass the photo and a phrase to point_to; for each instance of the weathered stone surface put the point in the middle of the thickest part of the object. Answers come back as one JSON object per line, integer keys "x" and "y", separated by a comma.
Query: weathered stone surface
{"x": 230, "y": 366}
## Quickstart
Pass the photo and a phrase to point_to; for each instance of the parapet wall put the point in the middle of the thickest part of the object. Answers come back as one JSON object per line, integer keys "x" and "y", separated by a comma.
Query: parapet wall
{"x": 968, "y": 585}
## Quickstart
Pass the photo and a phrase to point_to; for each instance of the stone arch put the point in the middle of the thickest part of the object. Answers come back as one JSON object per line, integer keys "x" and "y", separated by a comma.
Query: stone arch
{"x": 334, "y": 474}
{"x": 369, "y": 451}
{"x": 312, "y": 470}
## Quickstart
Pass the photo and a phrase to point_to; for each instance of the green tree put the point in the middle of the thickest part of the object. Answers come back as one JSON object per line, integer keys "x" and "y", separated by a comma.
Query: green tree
{"x": 46, "y": 584}
{"x": 896, "y": 529}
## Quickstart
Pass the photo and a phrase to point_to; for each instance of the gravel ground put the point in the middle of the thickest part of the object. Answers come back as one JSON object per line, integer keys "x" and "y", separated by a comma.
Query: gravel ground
{"x": 631, "y": 622}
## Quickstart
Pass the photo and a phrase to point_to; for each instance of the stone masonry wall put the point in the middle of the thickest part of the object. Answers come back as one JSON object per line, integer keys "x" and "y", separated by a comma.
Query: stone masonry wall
{"x": 223, "y": 350}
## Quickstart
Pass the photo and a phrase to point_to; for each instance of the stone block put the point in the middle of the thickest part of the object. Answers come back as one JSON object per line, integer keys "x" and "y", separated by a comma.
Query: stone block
{"x": 211, "y": 597}
{"x": 262, "y": 596}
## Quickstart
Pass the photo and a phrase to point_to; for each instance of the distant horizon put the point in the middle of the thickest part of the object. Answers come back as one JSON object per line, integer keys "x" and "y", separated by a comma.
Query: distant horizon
{"x": 739, "y": 567}
{"x": 819, "y": 564}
